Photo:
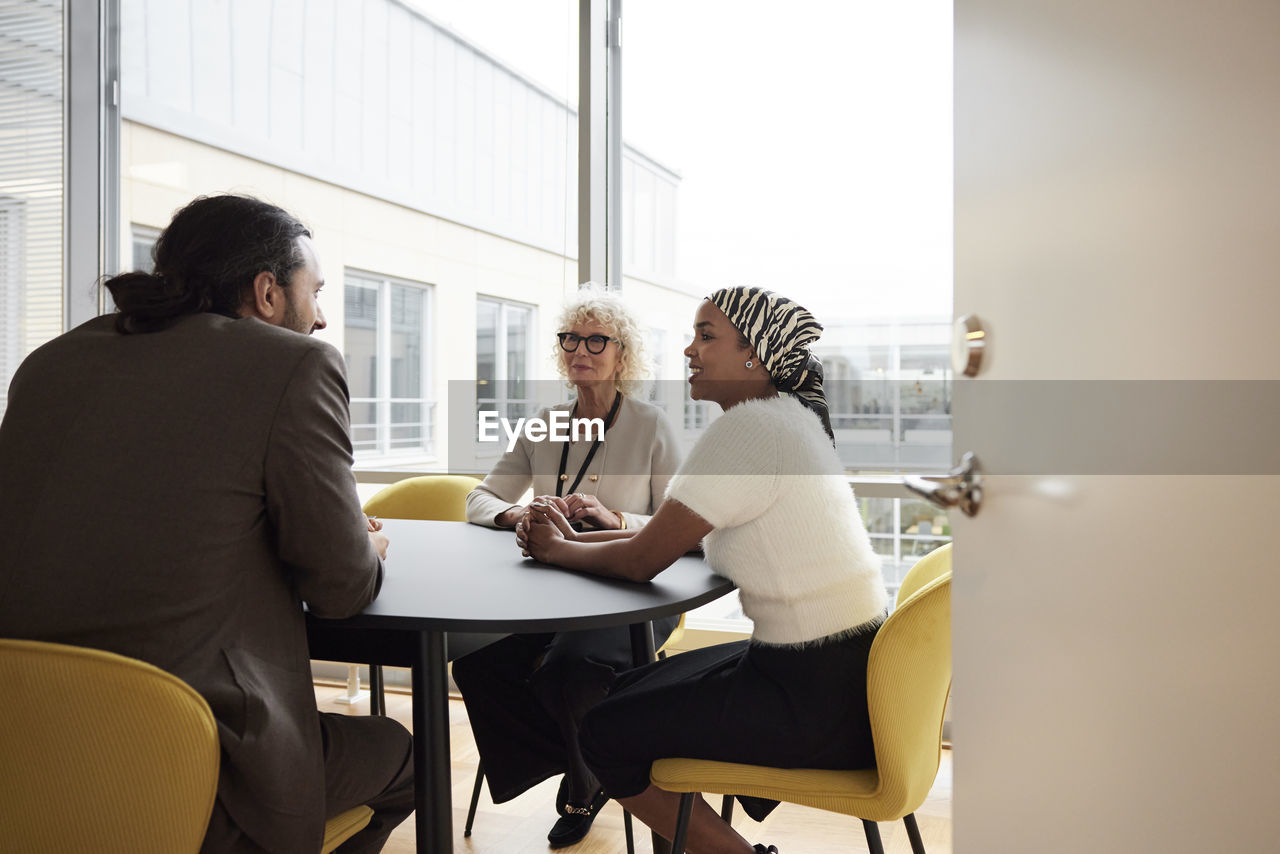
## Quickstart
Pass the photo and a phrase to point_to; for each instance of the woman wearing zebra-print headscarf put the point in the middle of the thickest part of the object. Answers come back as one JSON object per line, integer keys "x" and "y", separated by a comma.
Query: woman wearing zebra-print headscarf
{"x": 779, "y": 332}
{"x": 764, "y": 493}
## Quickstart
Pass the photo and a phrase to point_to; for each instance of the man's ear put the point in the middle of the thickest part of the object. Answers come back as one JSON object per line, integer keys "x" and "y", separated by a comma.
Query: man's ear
{"x": 267, "y": 300}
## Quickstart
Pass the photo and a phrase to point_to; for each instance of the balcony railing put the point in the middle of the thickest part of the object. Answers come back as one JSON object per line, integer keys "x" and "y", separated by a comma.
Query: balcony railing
{"x": 393, "y": 426}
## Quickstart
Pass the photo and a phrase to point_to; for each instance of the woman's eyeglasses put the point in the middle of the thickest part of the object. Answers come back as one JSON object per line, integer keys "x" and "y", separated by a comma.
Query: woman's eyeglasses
{"x": 595, "y": 343}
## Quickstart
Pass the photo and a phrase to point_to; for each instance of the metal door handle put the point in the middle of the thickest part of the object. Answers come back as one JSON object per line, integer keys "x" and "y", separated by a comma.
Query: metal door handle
{"x": 961, "y": 488}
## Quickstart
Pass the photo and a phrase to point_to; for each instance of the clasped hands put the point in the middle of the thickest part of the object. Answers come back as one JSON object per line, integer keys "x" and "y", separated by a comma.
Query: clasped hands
{"x": 581, "y": 507}
{"x": 542, "y": 526}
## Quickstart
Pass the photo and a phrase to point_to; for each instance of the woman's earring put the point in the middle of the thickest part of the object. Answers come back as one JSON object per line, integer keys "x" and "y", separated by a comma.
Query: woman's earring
{"x": 750, "y": 363}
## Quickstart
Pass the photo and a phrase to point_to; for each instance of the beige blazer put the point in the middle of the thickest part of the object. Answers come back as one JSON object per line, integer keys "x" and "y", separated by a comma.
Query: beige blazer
{"x": 175, "y": 497}
{"x": 629, "y": 472}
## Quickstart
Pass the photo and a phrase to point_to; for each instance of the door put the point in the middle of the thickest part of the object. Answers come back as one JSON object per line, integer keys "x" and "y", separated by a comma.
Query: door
{"x": 1115, "y": 601}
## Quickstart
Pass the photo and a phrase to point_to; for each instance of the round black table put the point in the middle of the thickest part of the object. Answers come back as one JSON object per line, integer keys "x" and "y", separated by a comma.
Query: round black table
{"x": 451, "y": 588}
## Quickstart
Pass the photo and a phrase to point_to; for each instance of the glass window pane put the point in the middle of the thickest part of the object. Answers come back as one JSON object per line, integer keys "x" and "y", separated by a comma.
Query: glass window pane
{"x": 847, "y": 209}
{"x": 408, "y": 427}
{"x": 406, "y": 343}
{"x": 360, "y": 339}
{"x": 386, "y": 330}
{"x": 517, "y": 336}
{"x": 877, "y": 514}
{"x": 918, "y": 517}
{"x": 657, "y": 347}
{"x": 883, "y": 546}
{"x": 31, "y": 181}
{"x": 486, "y": 349}
{"x": 143, "y": 240}
{"x": 364, "y": 426}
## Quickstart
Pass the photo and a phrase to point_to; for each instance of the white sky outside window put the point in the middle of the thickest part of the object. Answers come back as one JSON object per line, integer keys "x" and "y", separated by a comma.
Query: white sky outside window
{"x": 813, "y": 139}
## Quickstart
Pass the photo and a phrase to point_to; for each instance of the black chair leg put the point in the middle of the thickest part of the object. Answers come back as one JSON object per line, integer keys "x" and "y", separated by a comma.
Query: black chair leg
{"x": 475, "y": 798}
{"x": 726, "y": 809}
{"x": 682, "y": 822}
{"x": 913, "y": 833}
{"x": 873, "y": 837}
{"x": 377, "y": 697}
{"x": 626, "y": 827}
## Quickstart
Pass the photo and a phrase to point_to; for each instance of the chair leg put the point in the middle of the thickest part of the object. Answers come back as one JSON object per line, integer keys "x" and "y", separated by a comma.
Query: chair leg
{"x": 913, "y": 833}
{"x": 377, "y": 697}
{"x": 626, "y": 827}
{"x": 682, "y": 822}
{"x": 475, "y": 798}
{"x": 726, "y": 809}
{"x": 873, "y": 837}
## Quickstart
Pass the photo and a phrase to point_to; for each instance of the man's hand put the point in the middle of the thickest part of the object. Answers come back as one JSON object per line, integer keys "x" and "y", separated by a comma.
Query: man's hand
{"x": 374, "y": 524}
{"x": 380, "y": 542}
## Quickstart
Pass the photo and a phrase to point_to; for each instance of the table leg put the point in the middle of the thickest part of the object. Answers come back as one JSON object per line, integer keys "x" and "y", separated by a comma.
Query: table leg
{"x": 642, "y": 652}
{"x": 377, "y": 692}
{"x": 431, "y": 790}
{"x": 642, "y": 648}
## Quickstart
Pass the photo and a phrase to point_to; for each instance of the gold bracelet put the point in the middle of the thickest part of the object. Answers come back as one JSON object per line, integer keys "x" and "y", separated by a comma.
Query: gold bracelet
{"x": 622, "y": 522}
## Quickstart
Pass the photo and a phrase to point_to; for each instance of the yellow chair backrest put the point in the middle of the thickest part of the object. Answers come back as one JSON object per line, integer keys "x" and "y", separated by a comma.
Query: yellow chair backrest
{"x": 101, "y": 753}
{"x": 908, "y": 678}
{"x": 929, "y": 567}
{"x": 439, "y": 497}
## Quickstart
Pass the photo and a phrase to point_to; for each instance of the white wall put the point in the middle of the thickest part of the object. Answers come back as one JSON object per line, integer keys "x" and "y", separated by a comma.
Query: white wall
{"x": 161, "y": 172}
{"x": 370, "y": 95}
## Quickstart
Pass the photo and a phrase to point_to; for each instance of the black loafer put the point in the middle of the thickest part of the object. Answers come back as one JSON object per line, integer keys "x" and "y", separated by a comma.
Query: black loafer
{"x": 772, "y": 849}
{"x": 576, "y": 821}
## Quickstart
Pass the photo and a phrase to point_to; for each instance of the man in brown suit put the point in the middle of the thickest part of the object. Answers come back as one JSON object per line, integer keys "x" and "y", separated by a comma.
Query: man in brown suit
{"x": 176, "y": 483}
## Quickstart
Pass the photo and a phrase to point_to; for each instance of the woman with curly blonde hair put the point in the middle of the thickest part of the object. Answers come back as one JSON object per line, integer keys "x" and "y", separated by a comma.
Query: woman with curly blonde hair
{"x": 526, "y": 694}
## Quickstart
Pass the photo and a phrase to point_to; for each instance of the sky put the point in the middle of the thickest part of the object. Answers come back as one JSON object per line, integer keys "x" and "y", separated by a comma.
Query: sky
{"x": 813, "y": 138}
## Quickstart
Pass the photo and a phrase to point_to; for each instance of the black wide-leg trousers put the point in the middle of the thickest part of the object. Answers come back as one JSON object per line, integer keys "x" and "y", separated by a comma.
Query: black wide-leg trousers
{"x": 526, "y": 696}
{"x": 783, "y": 707}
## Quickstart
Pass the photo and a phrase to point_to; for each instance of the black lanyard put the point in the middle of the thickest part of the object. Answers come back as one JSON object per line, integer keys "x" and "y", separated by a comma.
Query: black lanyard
{"x": 595, "y": 446}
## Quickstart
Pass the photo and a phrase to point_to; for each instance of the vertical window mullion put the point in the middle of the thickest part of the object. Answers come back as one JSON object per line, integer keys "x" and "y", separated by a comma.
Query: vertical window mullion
{"x": 500, "y": 359}
{"x": 428, "y": 431}
{"x": 895, "y": 400}
{"x": 897, "y": 531}
{"x": 384, "y": 367}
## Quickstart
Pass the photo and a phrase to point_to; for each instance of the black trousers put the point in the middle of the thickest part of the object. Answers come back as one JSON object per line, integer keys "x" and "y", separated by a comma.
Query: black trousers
{"x": 783, "y": 707}
{"x": 526, "y": 695}
{"x": 367, "y": 760}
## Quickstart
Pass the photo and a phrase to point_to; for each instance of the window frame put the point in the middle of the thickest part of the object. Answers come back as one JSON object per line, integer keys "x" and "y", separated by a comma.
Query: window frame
{"x": 500, "y": 378}
{"x": 383, "y": 448}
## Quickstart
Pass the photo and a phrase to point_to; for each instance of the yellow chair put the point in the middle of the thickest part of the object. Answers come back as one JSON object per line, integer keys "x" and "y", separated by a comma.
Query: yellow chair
{"x": 343, "y": 826}
{"x": 429, "y": 497}
{"x": 101, "y": 753}
{"x": 109, "y": 754}
{"x": 908, "y": 679}
{"x": 439, "y": 497}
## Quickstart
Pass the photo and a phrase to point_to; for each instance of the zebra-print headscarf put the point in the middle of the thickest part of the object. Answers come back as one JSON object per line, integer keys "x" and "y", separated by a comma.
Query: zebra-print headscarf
{"x": 781, "y": 331}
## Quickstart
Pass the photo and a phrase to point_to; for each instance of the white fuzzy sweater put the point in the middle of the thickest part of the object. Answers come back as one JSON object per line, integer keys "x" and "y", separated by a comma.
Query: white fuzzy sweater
{"x": 787, "y": 529}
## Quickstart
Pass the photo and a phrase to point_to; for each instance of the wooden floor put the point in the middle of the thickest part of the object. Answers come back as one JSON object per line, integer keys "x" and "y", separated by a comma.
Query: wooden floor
{"x": 520, "y": 826}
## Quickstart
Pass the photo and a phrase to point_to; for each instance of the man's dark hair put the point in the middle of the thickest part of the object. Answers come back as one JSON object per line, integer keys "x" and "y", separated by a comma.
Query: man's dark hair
{"x": 206, "y": 260}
